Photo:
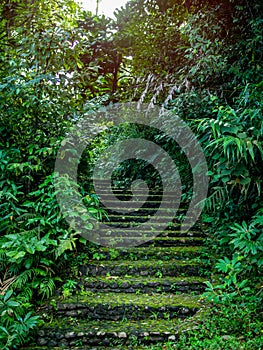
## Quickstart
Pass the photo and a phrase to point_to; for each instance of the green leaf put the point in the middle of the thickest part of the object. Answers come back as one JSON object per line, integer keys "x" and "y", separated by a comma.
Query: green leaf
{"x": 245, "y": 181}
{"x": 15, "y": 255}
{"x": 12, "y": 303}
{"x": 8, "y": 295}
{"x": 30, "y": 249}
{"x": 82, "y": 240}
{"x": 251, "y": 149}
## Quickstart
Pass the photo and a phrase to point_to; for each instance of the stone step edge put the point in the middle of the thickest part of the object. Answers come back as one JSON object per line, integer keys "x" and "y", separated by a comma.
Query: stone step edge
{"x": 144, "y": 263}
{"x": 118, "y": 334}
{"x": 158, "y": 238}
{"x": 146, "y": 208}
{"x": 142, "y": 241}
{"x": 177, "y": 235}
{"x": 162, "y": 250}
{"x": 158, "y": 280}
{"x": 94, "y": 270}
{"x": 140, "y": 300}
{"x": 136, "y": 215}
{"x": 153, "y": 253}
{"x": 131, "y": 312}
{"x": 118, "y": 284}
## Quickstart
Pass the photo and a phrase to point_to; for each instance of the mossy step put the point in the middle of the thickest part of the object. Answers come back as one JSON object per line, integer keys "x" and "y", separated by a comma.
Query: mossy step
{"x": 151, "y": 200}
{"x": 128, "y": 193}
{"x": 137, "y": 218}
{"x": 150, "y": 240}
{"x": 159, "y": 224}
{"x": 120, "y": 284}
{"x": 151, "y": 204}
{"x": 168, "y": 202}
{"x": 84, "y": 299}
{"x": 76, "y": 334}
{"x": 146, "y": 253}
{"x": 133, "y": 208}
{"x": 178, "y": 233}
{"x": 175, "y": 232}
{"x": 175, "y": 241}
{"x": 142, "y": 268}
{"x": 137, "y": 214}
{"x": 130, "y": 212}
{"x": 117, "y": 306}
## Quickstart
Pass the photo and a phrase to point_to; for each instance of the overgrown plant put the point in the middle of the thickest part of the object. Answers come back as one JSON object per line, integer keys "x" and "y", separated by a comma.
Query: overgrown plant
{"x": 17, "y": 321}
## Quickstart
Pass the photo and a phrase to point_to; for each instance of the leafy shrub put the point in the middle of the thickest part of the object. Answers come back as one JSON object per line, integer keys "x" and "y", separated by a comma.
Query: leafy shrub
{"x": 37, "y": 238}
{"x": 16, "y": 321}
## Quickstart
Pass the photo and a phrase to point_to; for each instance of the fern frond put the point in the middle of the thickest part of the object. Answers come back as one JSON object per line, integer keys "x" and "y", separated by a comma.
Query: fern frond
{"x": 26, "y": 294}
{"x": 23, "y": 278}
{"x": 3, "y": 260}
{"x": 24, "y": 217}
{"x": 32, "y": 232}
{"x": 14, "y": 269}
{"x": 216, "y": 199}
{"x": 47, "y": 287}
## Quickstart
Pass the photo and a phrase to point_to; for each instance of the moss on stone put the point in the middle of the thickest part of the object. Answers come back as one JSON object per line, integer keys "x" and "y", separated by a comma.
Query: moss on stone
{"x": 154, "y": 264}
{"x": 151, "y": 300}
{"x": 116, "y": 326}
{"x": 147, "y": 263}
{"x": 142, "y": 280}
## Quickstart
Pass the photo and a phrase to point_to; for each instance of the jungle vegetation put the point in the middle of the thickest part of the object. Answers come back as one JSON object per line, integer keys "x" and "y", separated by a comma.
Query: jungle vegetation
{"x": 201, "y": 59}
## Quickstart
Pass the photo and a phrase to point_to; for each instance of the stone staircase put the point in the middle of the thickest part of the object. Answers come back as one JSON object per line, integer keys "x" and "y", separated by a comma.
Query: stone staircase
{"x": 131, "y": 296}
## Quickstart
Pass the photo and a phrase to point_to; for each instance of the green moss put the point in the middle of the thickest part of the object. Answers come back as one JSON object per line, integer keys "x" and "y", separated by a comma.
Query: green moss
{"x": 151, "y": 300}
{"x": 148, "y": 263}
{"x": 146, "y": 253}
{"x": 119, "y": 279}
{"x": 171, "y": 211}
{"x": 179, "y": 239}
{"x": 150, "y": 250}
{"x": 116, "y": 326}
{"x": 143, "y": 216}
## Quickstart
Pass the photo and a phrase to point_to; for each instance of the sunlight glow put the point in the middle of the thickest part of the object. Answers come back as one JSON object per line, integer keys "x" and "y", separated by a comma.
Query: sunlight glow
{"x": 106, "y": 7}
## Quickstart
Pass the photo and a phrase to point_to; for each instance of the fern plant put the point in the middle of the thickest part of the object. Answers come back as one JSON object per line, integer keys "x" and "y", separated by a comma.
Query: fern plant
{"x": 232, "y": 139}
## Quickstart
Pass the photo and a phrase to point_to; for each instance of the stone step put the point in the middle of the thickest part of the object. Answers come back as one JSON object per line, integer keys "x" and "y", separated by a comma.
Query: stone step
{"x": 146, "y": 241}
{"x": 157, "y": 268}
{"x": 136, "y": 218}
{"x": 136, "y": 296}
{"x": 132, "y": 306}
{"x": 138, "y": 205}
{"x": 141, "y": 198}
{"x": 147, "y": 253}
{"x": 130, "y": 213}
{"x": 153, "y": 199}
{"x": 175, "y": 241}
{"x": 138, "y": 285}
{"x": 162, "y": 223}
{"x": 128, "y": 192}
{"x": 145, "y": 207}
{"x": 83, "y": 334}
{"x": 174, "y": 232}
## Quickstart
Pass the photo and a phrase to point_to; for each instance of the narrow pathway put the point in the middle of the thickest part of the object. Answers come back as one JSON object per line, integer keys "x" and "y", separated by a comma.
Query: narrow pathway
{"x": 131, "y": 296}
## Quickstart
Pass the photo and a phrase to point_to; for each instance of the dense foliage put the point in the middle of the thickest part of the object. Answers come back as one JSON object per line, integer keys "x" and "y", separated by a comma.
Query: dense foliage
{"x": 202, "y": 60}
